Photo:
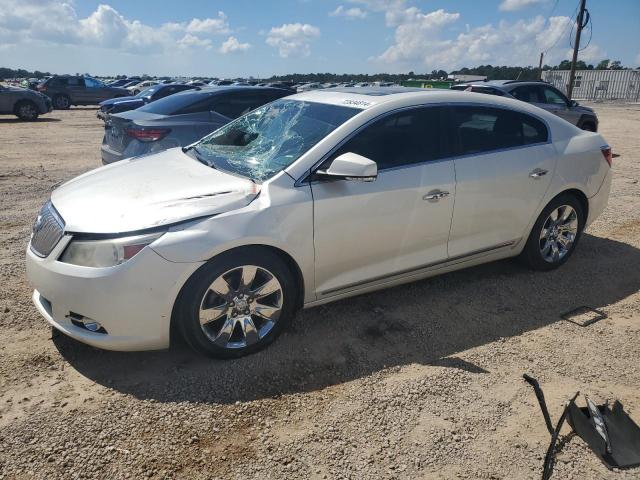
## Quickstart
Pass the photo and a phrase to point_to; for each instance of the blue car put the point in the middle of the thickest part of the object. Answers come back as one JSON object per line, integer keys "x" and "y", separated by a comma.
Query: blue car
{"x": 151, "y": 94}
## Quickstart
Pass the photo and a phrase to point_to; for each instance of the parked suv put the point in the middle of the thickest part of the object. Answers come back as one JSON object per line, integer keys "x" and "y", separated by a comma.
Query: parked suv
{"x": 23, "y": 103}
{"x": 67, "y": 90}
{"x": 179, "y": 119}
{"x": 540, "y": 94}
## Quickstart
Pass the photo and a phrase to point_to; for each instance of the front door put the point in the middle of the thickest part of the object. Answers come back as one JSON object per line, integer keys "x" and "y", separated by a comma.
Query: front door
{"x": 367, "y": 231}
{"x": 503, "y": 170}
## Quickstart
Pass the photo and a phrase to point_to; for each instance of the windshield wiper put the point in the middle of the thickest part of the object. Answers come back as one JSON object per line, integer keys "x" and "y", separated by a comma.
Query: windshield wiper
{"x": 193, "y": 152}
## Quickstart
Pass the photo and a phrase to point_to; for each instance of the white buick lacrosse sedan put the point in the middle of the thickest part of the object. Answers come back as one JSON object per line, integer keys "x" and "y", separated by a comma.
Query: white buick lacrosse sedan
{"x": 309, "y": 199}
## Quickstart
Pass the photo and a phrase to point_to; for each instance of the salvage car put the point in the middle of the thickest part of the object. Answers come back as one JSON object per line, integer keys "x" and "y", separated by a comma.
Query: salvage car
{"x": 179, "y": 119}
{"x": 541, "y": 94}
{"x": 24, "y": 103}
{"x": 67, "y": 90}
{"x": 151, "y": 94}
{"x": 309, "y": 199}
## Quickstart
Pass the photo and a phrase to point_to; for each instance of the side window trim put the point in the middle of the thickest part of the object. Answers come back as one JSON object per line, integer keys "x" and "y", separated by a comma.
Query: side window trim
{"x": 446, "y": 116}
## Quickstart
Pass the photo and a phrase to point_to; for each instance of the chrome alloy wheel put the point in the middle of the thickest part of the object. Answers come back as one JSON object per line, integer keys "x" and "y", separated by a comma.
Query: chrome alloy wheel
{"x": 558, "y": 233}
{"x": 241, "y": 307}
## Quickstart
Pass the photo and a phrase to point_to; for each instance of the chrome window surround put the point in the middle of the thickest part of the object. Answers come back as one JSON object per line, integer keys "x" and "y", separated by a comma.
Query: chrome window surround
{"x": 304, "y": 178}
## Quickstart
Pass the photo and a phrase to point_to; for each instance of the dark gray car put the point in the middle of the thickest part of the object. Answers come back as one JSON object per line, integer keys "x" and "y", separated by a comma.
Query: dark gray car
{"x": 179, "y": 120}
{"x": 540, "y": 94}
{"x": 67, "y": 90}
{"x": 23, "y": 103}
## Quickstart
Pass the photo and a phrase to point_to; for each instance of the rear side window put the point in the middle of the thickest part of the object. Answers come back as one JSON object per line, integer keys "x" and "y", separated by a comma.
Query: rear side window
{"x": 75, "y": 82}
{"x": 403, "y": 138}
{"x": 528, "y": 93}
{"x": 483, "y": 129}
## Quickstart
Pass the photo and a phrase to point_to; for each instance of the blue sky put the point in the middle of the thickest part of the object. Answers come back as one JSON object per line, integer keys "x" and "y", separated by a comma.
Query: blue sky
{"x": 240, "y": 38}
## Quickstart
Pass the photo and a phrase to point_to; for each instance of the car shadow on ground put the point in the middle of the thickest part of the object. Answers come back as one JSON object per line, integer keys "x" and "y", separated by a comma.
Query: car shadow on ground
{"x": 28, "y": 122}
{"x": 426, "y": 322}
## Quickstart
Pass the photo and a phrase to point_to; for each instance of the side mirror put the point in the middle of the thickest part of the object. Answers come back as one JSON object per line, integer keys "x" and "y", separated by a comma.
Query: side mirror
{"x": 351, "y": 166}
{"x": 574, "y": 103}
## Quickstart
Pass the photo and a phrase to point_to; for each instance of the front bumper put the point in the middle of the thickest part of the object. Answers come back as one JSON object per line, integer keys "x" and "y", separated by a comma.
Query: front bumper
{"x": 133, "y": 301}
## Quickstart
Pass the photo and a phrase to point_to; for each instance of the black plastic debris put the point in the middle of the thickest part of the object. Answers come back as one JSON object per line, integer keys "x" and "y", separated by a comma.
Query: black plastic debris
{"x": 610, "y": 433}
{"x": 583, "y": 316}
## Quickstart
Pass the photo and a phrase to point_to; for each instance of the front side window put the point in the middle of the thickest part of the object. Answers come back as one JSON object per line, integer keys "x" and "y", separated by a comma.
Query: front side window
{"x": 92, "y": 82}
{"x": 484, "y": 129}
{"x": 551, "y": 96}
{"x": 404, "y": 138}
{"x": 267, "y": 140}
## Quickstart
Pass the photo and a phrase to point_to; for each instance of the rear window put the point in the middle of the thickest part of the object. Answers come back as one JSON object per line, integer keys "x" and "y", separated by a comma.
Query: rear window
{"x": 174, "y": 104}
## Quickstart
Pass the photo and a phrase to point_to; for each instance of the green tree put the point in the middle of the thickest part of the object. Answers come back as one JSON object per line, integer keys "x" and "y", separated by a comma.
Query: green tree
{"x": 603, "y": 65}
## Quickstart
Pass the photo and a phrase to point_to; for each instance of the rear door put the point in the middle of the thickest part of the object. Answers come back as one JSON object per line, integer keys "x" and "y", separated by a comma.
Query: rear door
{"x": 77, "y": 90}
{"x": 96, "y": 91}
{"x": 504, "y": 166}
{"x": 367, "y": 231}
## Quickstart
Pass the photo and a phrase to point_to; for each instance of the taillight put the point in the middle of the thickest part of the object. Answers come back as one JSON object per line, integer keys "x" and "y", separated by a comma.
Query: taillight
{"x": 147, "y": 134}
{"x": 608, "y": 155}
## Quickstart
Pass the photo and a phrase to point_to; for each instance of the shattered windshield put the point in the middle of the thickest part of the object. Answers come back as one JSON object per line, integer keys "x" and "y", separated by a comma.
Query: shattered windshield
{"x": 264, "y": 142}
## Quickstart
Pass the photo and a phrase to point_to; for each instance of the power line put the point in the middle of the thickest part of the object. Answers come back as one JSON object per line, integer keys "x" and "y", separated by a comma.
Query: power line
{"x": 570, "y": 22}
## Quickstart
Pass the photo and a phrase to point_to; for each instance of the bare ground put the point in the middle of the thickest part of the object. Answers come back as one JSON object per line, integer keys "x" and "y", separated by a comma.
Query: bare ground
{"x": 421, "y": 381}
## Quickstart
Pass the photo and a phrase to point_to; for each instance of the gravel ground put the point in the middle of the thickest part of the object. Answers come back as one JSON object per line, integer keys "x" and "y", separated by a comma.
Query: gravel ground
{"x": 421, "y": 381}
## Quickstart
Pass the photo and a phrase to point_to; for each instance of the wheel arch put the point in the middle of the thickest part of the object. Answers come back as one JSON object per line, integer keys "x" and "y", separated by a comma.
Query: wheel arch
{"x": 289, "y": 261}
{"x": 22, "y": 101}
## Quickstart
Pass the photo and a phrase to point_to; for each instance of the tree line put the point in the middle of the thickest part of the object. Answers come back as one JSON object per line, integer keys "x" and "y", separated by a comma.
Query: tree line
{"x": 492, "y": 72}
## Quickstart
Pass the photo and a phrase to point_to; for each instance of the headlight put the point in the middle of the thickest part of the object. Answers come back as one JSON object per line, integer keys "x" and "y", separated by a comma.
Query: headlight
{"x": 106, "y": 253}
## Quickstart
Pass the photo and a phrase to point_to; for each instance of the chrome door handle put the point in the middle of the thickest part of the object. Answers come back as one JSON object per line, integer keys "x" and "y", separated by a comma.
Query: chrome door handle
{"x": 538, "y": 172}
{"x": 435, "y": 195}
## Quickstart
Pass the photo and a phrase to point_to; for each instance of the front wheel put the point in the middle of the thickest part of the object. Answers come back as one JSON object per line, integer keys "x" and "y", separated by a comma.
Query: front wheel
{"x": 555, "y": 234}
{"x": 27, "y": 111}
{"x": 236, "y": 304}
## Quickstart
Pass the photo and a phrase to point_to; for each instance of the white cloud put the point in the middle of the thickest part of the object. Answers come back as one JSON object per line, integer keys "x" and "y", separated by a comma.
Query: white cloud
{"x": 637, "y": 60}
{"x": 292, "y": 39}
{"x": 189, "y": 41}
{"x": 514, "y": 5}
{"x": 232, "y": 45}
{"x": 57, "y": 22}
{"x": 349, "y": 13}
{"x": 212, "y": 26}
{"x": 423, "y": 40}
{"x": 415, "y": 31}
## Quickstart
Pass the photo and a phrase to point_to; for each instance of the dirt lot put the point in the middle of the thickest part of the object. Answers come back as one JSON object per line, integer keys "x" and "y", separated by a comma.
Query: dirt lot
{"x": 421, "y": 381}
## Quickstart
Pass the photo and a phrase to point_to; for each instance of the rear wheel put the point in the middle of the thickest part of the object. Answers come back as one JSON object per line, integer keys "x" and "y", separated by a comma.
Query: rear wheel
{"x": 588, "y": 126}
{"x": 27, "y": 111}
{"x": 236, "y": 304}
{"x": 61, "y": 102}
{"x": 555, "y": 234}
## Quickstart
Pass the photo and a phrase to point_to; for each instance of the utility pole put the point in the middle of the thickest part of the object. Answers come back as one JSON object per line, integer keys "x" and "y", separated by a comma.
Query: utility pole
{"x": 540, "y": 65}
{"x": 576, "y": 47}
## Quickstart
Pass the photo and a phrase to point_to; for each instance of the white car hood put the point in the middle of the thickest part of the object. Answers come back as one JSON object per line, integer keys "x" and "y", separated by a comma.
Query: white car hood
{"x": 146, "y": 192}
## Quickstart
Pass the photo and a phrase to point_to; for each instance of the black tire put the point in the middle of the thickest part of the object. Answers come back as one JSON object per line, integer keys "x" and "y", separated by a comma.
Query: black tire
{"x": 27, "y": 111}
{"x": 532, "y": 255}
{"x": 588, "y": 126}
{"x": 61, "y": 102}
{"x": 187, "y": 308}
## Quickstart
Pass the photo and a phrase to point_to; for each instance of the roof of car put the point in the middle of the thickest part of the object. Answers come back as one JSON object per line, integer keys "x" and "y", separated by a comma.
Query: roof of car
{"x": 500, "y": 83}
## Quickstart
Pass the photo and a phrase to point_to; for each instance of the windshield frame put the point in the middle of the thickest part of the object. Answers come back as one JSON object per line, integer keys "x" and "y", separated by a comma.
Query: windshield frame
{"x": 344, "y": 114}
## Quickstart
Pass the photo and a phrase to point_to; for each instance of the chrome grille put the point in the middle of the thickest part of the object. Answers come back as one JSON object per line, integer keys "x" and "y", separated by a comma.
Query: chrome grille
{"x": 47, "y": 231}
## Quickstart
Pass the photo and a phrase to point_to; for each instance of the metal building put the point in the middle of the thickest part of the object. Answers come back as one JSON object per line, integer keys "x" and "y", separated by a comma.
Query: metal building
{"x": 598, "y": 84}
